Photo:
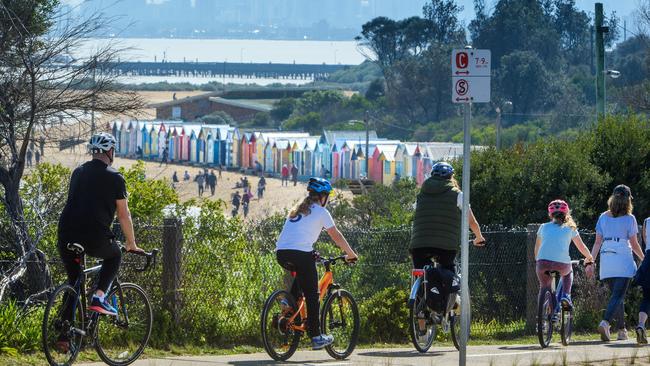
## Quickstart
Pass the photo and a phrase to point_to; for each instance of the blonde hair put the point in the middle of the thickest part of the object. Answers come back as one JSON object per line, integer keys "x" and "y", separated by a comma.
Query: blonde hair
{"x": 619, "y": 205}
{"x": 304, "y": 208}
{"x": 564, "y": 219}
{"x": 454, "y": 181}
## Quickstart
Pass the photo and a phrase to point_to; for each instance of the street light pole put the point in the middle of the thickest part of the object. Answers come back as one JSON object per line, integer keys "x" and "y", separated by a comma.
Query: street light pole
{"x": 367, "y": 123}
{"x": 600, "y": 60}
{"x": 498, "y": 144}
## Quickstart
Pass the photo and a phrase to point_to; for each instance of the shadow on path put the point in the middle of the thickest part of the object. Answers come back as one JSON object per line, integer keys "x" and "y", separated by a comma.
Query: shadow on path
{"x": 402, "y": 354}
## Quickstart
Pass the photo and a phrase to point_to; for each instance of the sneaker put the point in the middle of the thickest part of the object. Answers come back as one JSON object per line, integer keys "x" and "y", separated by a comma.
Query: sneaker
{"x": 102, "y": 307}
{"x": 641, "y": 336}
{"x": 566, "y": 302}
{"x": 321, "y": 341}
{"x": 622, "y": 335}
{"x": 603, "y": 329}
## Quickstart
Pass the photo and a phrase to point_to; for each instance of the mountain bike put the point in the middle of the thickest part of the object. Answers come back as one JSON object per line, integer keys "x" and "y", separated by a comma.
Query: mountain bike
{"x": 119, "y": 340}
{"x": 284, "y": 321}
{"x": 551, "y": 314}
{"x": 423, "y": 320}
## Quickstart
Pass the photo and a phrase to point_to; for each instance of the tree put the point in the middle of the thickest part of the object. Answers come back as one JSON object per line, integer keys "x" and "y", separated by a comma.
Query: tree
{"x": 523, "y": 79}
{"x": 217, "y": 118}
{"x": 572, "y": 25}
{"x": 283, "y": 108}
{"x": 39, "y": 82}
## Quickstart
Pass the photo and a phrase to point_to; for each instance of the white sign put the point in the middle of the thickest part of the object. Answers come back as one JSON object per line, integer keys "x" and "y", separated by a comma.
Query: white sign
{"x": 470, "y": 71}
{"x": 469, "y": 62}
{"x": 470, "y": 89}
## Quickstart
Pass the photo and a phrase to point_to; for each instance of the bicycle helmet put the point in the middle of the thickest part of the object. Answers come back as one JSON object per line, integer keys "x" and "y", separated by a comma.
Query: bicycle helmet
{"x": 442, "y": 170}
{"x": 101, "y": 142}
{"x": 558, "y": 206}
{"x": 319, "y": 185}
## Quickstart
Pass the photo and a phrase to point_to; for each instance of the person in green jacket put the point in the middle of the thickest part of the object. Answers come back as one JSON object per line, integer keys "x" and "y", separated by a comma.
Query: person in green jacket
{"x": 437, "y": 222}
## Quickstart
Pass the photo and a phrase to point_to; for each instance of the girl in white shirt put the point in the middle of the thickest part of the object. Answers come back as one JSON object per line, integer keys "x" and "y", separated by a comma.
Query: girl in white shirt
{"x": 295, "y": 251}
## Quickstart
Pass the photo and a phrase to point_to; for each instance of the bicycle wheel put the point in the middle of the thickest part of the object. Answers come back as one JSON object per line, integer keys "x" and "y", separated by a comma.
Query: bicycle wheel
{"x": 422, "y": 328}
{"x": 121, "y": 339}
{"x": 340, "y": 318}
{"x": 63, "y": 327}
{"x": 455, "y": 323}
{"x": 279, "y": 339}
{"x": 545, "y": 310}
{"x": 566, "y": 329}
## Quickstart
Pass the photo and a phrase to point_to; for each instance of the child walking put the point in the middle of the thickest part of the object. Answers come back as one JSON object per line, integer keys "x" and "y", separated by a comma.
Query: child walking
{"x": 552, "y": 249}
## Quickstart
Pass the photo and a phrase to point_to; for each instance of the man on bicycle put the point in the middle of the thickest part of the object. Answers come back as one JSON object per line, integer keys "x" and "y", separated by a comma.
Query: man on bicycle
{"x": 96, "y": 192}
{"x": 437, "y": 222}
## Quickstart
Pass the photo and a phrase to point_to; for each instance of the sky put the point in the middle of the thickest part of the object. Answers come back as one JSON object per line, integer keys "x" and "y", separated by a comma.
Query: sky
{"x": 624, "y": 8}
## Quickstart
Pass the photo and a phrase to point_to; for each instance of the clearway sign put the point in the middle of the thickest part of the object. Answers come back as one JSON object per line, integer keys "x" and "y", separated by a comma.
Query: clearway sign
{"x": 470, "y": 71}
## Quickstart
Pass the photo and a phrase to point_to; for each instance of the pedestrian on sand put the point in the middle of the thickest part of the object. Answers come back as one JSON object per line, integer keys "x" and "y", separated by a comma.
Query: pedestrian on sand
{"x": 617, "y": 243}
{"x": 28, "y": 157}
{"x": 212, "y": 182}
{"x": 261, "y": 186}
{"x": 285, "y": 175}
{"x": 294, "y": 174}
{"x": 200, "y": 180}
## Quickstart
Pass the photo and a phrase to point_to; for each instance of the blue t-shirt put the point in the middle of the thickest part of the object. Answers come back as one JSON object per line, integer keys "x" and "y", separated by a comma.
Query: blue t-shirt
{"x": 556, "y": 240}
{"x": 616, "y": 258}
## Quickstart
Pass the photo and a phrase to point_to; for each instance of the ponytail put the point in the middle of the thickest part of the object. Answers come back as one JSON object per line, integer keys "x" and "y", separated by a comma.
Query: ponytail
{"x": 565, "y": 219}
{"x": 304, "y": 208}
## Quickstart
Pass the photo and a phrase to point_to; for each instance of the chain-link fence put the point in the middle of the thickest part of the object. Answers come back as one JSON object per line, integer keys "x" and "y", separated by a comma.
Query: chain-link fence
{"x": 210, "y": 288}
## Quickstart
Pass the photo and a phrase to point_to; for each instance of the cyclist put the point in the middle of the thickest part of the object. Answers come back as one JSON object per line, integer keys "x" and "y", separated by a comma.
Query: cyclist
{"x": 96, "y": 192}
{"x": 295, "y": 251}
{"x": 437, "y": 221}
{"x": 552, "y": 249}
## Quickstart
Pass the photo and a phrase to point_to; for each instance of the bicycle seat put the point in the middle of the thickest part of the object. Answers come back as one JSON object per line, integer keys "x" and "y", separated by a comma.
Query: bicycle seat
{"x": 76, "y": 248}
{"x": 552, "y": 273}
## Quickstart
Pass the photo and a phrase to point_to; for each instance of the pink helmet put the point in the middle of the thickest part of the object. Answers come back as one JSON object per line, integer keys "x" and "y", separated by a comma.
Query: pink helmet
{"x": 558, "y": 206}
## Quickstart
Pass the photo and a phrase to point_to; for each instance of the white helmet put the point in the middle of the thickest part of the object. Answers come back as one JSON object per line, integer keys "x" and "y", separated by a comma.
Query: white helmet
{"x": 101, "y": 142}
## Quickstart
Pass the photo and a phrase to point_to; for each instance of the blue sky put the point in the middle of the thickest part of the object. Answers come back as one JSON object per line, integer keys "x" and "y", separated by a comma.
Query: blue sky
{"x": 624, "y": 8}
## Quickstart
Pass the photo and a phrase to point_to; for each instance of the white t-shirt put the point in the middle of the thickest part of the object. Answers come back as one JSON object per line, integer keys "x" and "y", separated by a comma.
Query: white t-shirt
{"x": 459, "y": 201}
{"x": 301, "y": 232}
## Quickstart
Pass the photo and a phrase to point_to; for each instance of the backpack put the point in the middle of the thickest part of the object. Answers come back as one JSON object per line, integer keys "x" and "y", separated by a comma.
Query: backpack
{"x": 440, "y": 284}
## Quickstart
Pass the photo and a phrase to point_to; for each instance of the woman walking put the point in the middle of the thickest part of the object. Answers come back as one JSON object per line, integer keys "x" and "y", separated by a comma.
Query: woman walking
{"x": 642, "y": 278}
{"x": 616, "y": 241}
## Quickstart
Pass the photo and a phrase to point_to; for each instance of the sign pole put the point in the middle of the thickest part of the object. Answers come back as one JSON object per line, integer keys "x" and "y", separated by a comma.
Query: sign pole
{"x": 464, "y": 249}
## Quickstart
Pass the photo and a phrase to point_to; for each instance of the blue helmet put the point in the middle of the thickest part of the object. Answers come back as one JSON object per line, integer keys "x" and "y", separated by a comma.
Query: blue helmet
{"x": 319, "y": 185}
{"x": 442, "y": 170}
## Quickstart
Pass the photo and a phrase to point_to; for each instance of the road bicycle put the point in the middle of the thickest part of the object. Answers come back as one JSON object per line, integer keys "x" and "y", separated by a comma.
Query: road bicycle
{"x": 423, "y": 321}
{"x": 119, "y": 340}
{"x": 284, "y": 321}
{"x": 551, "y": 314}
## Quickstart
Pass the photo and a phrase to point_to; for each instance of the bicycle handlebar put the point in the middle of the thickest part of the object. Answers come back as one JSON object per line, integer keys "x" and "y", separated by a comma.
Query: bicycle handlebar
{"x": 150, "y": 256}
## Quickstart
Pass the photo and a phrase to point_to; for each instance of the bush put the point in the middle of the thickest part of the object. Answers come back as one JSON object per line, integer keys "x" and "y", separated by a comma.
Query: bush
{"x": 19, "y": 332}
{"x": 384, "y": 317}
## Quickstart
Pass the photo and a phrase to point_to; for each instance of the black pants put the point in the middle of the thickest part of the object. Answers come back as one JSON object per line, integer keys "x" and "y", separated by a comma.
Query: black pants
{"x": 212, "y": 188}
{"x": 445, "y": 258}
{"x": 306, "y": 281}
{"x": 106, "y": 249}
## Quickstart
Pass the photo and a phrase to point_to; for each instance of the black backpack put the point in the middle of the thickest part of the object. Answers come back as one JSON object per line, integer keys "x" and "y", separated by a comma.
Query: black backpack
{"x": 440, "y": 284}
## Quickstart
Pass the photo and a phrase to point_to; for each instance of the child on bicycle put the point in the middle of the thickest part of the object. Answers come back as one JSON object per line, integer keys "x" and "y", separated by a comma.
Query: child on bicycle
{"x": 552, "y": 249}
{"x": 295, "y": 251}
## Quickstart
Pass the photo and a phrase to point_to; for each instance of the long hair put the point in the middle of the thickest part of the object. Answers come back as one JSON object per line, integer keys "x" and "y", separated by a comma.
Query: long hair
{"x": 619, "y": 205}
{"x": 304, "y": 208}
{"x": 454, "y": 181}
{"x": 562, "y": 219}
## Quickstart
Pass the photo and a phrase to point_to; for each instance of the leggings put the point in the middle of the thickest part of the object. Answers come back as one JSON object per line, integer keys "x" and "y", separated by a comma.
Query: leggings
{"x": 645, "y": 302}
{"x": 565, "y": 269}
{"x": 616, "y": 307}
{"x": 106, "y": 249}
{"x": 306, "y": 281}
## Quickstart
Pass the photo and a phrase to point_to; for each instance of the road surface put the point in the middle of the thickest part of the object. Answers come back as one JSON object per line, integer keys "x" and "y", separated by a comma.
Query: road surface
{"x": 581, "y": 353}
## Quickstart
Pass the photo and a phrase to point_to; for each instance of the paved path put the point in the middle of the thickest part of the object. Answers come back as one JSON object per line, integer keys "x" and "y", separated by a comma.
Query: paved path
{"x": 501, "y": 355}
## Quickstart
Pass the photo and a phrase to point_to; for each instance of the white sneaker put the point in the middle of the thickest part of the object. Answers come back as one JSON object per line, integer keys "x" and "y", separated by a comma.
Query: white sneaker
{"x": 622, "y": 335}
{"x": 603, "y": 329}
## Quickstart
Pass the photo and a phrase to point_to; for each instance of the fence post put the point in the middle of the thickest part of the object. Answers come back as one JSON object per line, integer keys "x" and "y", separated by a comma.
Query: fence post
{"x": 532, "y": 286}
{"x": 171, "y": 270}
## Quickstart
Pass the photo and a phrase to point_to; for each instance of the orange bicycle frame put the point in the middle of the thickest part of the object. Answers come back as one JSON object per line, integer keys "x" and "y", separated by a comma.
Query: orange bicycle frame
{"x": 325, "y": 282}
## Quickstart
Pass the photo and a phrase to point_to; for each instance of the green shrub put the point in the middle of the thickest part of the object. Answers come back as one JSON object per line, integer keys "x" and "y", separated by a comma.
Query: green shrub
{"x": 384, "y": 317}
{"x": 19, "y": 333}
